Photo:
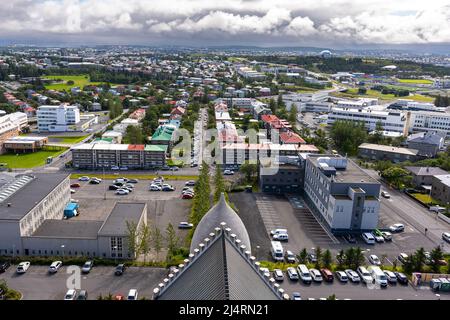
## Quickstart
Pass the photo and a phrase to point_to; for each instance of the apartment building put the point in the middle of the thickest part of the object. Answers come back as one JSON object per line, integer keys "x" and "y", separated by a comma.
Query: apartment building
{"x": 58, "y": 118}
{"x": 440, "y": 189}
{"x": 99, "y": 155}
{"x": 424, "y": 121}
{"x": 387, "y": 153}
{"x": 340, "y": 194}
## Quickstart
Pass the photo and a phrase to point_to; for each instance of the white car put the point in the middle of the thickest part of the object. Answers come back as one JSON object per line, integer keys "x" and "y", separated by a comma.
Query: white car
{"x": 54, "y": 267}
{"x": 290, "y": 257}
{"x": 385, "y": 194}
{"x": 155, "y": 187}
{"x": 122, "y": 192}
{"x": 87, "y": 267}
{"x": 277, "y": 231}
{"x": 281, "y": 237}
{"x": 315, "y": 275}
{"x": 387, "y": 235}
{"x": 446, "y": 236}
{"x": 228, "y": 172}
{"x": 278, "y": 275}
{"x": 71, "y": 294}
{"x": 23, "y": 267}
{"x": 84, "y": 178}
{"x": 132, "y": 294}
{"x": 352, "y": 275}
{"x": 342, "y": 276}
{"x": 373, "y": 259}
{"x": 292, "y": 274}
{"x": 391, "y": 277}
{"x": 265, "y": 271}
{"x": 398, "y": 227}
{"x": 365, "y": 275}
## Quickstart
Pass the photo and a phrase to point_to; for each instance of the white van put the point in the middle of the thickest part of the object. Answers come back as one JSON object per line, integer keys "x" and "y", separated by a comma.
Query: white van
{"x": 277, "y": 251}
{"x": 364, "y": 274}
{"x": 303, "y": 271}
{"x": 378, "y": 275}
{"x": 368, "y": 238}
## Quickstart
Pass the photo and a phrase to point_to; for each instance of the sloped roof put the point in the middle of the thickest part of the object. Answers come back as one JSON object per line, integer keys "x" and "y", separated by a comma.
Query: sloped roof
{"x": 426, "y": 171}
{"x": 221, "y": 212}
{"x": 222, "y": 269}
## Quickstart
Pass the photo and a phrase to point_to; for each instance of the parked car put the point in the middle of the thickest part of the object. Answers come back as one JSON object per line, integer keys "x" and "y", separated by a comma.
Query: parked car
{"x": 391, "y": 277}
{"x": 277, "y": 231}
{"x": 315, "y": 275}
{"x": 84, "y": 178}
{"x": 72, "y": 191}
{"x": 327, "y": 275}
{"x": 127, "y": 189}
{"x": 23, "y": 267}
{"x": 120, "y": 269}
{"x": 281, "y": 237}
{"x": 401, "y": 277}
{"x": 228, "y": 172}
{"x": 385, "y": 194}
{"x": 82, "y": 295}
{"x": 87, "y": 267}
{"x": 185, "y": 225}
{"x": 350, "y": 238}
{"x": 187, "y": 196}
{"x": 386, "y": 235}
{"x": 296, "y": 296}
{"x": 165, "y": 168}
{"x": 75, "y": 185}
{"x": 290, "y": 257}
{"x": 437, "y": 209}
{"x": 368, "y": 238}
{"x": 292, "y": 274}
{"x": 114, "y": 187}
{"x": 398, "y": 227}
{"x": 278, "y": 275}
{"x": 265, "y": 272}
{"x": 353, "y": 275}
{"x": 304, "y": 273}
{"x": 121, "y": 180}
{"x": 342, "y": 276}
{"x": 123, "y": 168}
{"x": 402, "y": 257}
{"x": 373, "y": 259}
{"x": 122, "y": 192}
{"x": 364, "y": 274}
{"x": 54, "y": 267}
{"x": 155, "y": 187}
{"x": 378, "y": 238}
{"x": 134, "y": 181}
{"x": 115, "y": 168}
{"x": 168, "y": 188}
{"x": 95, "y": 181}
{"x": 446, "y": 236}
{"x": 312, "y": 258}
{"x": 4, "y": 265}
{"x": 132, "y": 294}
{"x": 71, "y": 294}
{"x": 190, "y": 183}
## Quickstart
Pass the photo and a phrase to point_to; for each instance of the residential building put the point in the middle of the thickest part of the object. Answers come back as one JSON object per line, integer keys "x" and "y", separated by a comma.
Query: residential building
{"x": 389, "y": 153}
{"x": 115, "y": 136}
{"x": 8, "y": 129}
{"x": 58, "y": 118}
{"x": 340, "y": 194}
{"x": 164, "y": 136}
{"x": 423, "y": 176}
{"x": 25, "y": 144}
{"x": 283, "y": 176}
{"x": 428, "y": 143}
{"x": 425, "y": 121}
{"x": 440, "y": 189}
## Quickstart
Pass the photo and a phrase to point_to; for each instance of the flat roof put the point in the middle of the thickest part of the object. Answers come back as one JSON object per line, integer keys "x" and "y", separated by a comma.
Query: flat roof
{"x": 83, "y": 229}
{"x": 26, "y": 198}
{"x": 115, "y": 224}
{"x": 389, "y": 149}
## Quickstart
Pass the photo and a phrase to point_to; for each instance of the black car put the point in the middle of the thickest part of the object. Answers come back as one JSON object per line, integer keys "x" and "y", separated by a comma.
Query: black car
{"x": 4, "y": 265}
{"x": 114, "y": 187}
{"x": 403, "y": 279}
{"x": 120, "y": 269}
{"x": 350, "y": 238}
{"x": 83, "y": 295}
{"x": 165, "y": 168}
{"x": 94, "y": 182}
{"x": 133, "y": 181}
{"x": 312, "y": 258}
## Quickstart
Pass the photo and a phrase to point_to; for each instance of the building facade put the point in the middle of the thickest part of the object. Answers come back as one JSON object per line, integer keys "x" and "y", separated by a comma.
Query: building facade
{"x": 58, "y": 118}
{"x": 389, "y": 153}
{"x": 440, "y": 189}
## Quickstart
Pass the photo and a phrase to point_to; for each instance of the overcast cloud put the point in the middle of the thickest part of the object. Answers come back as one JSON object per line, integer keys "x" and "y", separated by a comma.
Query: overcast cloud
{"x": 253, "y": 22}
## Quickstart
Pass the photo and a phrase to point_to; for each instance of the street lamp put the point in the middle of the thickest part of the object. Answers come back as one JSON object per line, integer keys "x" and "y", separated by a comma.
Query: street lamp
{"x": 62, "y": 247}
{"x": 115, "y": 254}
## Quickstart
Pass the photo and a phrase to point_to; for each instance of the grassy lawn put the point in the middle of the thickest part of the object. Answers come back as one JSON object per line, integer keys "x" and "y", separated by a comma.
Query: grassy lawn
{"x": 415, "y": 81}
{"x": 68, "y": 140}
{"x": 353, "y": 93}
{"x": 425, "y": 198}
{"x": 28, "y": 160}
{"x": 134, "y": 176}
{"x": 79, "y": 81}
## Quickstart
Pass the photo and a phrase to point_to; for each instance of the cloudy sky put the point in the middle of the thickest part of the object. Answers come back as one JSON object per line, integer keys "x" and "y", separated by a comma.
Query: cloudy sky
{"x": 326, "y": 23}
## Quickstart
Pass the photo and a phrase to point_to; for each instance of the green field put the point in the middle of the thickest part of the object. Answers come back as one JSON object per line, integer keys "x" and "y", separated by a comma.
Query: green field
{"x": 79, "y": 81}
{"x": 353, "y": 93}
{"x": 68, "y": 140}
{"x": 415, "y": 81}
{"x": 28, "y": 160}
{"x": 425, "y": 198}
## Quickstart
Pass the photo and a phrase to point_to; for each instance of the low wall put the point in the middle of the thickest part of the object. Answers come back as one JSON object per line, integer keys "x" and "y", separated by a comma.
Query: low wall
{"x": 444, "y": 218}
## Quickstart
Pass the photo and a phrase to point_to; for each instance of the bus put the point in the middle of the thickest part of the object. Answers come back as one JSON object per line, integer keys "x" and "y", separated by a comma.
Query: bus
{"x": 277, "y": 251}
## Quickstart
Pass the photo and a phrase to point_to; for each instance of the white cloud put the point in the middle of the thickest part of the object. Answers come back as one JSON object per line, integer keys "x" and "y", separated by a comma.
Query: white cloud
{"x": 345, "y": 21}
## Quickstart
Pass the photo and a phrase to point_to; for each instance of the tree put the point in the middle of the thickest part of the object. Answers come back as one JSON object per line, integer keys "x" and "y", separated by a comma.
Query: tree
{"x": 70, "y": 83}
{"x": 171, "y": 238}
{"x": 349, "y": 257}
{"x": 332, "y": 297}
{"x": 397, "y": 176}
{"x": 358, "y": 258}
{"x": 249, "y": 170}
{"x": 362, "y": 90}
{"x": 144, "y": 240}
{"x": 273, "y": 106}
{"x": 408, "y": 265}
{"x": 436, "y": 254}
{"x": 280, "y": 103}
{"x": 293, "y": 114}
{"x": 340, "y": 258}
{"x": 132, "y": 234}
{"x": 302, "y": 256}
{"x": 157, "y": 239}
{"x": 419, "y": 260}
{"x": 133, "y": 135}
{"x": 377, "y": 136}
{"x": 327, "y": 259}
{"x": 318, "y": 253}
{"x": 347, "y": 136}
{"x": 219, "y": 184}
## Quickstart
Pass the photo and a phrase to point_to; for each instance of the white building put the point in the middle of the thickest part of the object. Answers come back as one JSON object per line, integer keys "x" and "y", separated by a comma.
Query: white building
{"x": 423, "y": 121}
{"x": 57, "y": 118}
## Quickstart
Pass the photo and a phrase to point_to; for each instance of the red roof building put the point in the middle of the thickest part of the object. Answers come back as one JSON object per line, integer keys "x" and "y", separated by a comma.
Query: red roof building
{"x": 290, "y": 137}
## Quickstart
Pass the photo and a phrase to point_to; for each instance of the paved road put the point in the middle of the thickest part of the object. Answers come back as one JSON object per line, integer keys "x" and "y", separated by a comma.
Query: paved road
{"x": 37, "y": 284}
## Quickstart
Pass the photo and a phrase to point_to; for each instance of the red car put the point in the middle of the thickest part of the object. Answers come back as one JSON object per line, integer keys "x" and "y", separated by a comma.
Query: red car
{"x": 327, "y": 275}
{"x": 75, "y": 185}
{"x": 187, "y": 196}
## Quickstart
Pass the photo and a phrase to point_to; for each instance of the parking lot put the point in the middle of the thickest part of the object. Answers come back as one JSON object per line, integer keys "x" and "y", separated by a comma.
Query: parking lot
{"x": 96, "y": 202}
{"x": 38, "y": 284}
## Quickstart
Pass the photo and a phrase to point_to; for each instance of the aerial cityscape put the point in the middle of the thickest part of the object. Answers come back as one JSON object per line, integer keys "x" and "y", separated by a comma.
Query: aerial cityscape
{"x": 241, "y": 150}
